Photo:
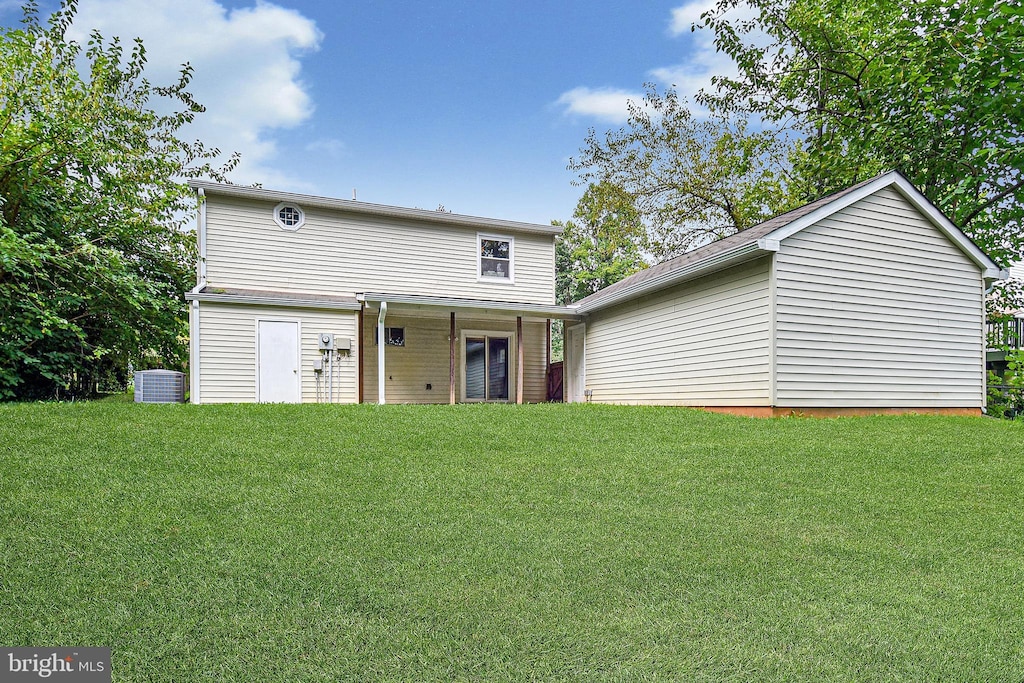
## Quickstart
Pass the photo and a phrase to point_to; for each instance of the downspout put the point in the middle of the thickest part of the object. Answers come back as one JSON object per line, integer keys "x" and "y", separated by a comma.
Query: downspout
{"x": 381, "y": 343}
{"x": 194, "y": 388}
{"x": 773, "y": 335}
{"x": 194, "y": 355}
{"x": 201, "y": 237}
{"x": 360, "y": 351}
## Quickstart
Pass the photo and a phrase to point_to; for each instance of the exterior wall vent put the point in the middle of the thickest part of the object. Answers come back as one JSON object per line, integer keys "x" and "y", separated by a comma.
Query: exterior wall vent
{"x": 159, "y": 386}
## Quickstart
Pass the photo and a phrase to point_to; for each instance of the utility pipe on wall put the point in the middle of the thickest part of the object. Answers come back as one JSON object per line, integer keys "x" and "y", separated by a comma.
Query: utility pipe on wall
{"x": 201, "y": 237}
{"x": 194, "y": 359}
{"x": 381, "y": 343}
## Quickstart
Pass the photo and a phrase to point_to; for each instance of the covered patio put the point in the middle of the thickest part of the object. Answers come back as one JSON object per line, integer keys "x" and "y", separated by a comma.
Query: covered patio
{"x": 447, "y": 350}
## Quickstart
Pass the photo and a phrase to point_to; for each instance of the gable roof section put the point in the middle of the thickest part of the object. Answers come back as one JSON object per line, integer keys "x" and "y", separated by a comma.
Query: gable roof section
{"x": 367, "y": 209}
{"x": 765, "y": 238}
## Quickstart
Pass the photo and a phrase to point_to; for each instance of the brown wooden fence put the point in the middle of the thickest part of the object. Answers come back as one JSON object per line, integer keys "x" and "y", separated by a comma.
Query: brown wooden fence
{"x": 555, "y": 381}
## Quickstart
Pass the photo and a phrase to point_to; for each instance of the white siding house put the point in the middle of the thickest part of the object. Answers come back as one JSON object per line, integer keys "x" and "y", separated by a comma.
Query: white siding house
{"x": 463, "y": 304}
{"x": 644, "y": 351}
{"x": 867, "y": 300}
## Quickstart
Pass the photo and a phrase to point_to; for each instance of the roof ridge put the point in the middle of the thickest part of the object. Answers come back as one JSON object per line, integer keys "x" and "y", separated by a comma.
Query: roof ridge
{"x": 737, "y": 239}
{"x": 370, "y": 208}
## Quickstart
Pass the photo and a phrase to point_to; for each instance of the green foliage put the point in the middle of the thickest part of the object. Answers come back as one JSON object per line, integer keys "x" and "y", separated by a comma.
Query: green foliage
{"x": 1006, "y": 393}
{"x": 1006, "y": 298}
{"x": 931, "y": 88}
{"x": 557, "y": 340}
{"x": 93, "y": 257}
{"x": 838, "y": 91}
{"x": 602, "y": 246}
{"x": 691, "y": 180}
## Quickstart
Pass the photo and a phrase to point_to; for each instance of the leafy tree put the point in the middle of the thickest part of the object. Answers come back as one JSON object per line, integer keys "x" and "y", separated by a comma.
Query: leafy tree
{"x": 93, "y": 257}
{"x": 1006, "y": 392}
{"x": 691, "y": 180}
{"x": 931, "y": 88}
{"x": 603, "y": 245}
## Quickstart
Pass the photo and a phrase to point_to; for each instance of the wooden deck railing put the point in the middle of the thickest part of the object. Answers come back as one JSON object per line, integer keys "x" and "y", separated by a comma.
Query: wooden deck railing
{"x": 1008, "y": 333}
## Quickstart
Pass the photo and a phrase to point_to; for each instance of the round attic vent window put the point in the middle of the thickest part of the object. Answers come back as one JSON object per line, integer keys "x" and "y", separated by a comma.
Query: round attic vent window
{"x": 289, "y": 216}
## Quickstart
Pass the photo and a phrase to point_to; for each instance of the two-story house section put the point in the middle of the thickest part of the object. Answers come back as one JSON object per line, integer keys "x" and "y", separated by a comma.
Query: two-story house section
{"x": 305, "y": 299}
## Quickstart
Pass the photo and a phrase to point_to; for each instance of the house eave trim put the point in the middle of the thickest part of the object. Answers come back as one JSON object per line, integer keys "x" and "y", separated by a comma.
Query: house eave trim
{"x": 277, "y": 301}
{"x": 912, "y": 195}
{"x": 447, "y": 303}
{"x": 365, "y": 208}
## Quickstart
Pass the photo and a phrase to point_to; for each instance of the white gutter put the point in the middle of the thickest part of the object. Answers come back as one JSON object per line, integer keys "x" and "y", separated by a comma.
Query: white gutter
{"x": 257, "y": 300}
{"x": 669, "y": 278}
{"x": 991, "y": 279}
{"x": 482, "y": 305}
{"x": 380, "y": 351}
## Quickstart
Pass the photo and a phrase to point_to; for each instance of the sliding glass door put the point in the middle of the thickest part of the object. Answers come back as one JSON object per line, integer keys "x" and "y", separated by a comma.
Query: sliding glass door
{"x": 487, "y": 368}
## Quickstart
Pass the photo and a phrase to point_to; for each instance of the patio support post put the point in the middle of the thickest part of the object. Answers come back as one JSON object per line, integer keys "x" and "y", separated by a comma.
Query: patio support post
{"x": 451, "y": 360}
{"x": 381, "y": 343}
{"x": 519, "y": 359}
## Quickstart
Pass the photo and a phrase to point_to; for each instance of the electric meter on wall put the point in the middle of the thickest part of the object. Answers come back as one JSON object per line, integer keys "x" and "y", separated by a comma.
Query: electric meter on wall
{"x": 326, "y": 341}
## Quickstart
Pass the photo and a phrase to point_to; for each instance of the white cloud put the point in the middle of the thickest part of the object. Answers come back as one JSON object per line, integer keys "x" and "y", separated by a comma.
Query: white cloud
{"x": 684, "y": 17}
{"x": 332, "y": 147}
{"x": 606, "y": 104}
{"x": 704, "y": 61}
{"x": 247, "y": 68}
{"x": 688, "y": 78}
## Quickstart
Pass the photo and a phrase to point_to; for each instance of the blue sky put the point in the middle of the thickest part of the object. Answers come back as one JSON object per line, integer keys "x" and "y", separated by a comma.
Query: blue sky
{"x": 473, "y": 105}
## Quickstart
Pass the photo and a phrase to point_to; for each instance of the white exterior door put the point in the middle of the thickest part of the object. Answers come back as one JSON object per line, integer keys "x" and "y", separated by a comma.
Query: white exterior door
{"x": 575, "y": 368}
{"x": 278, "y": 362}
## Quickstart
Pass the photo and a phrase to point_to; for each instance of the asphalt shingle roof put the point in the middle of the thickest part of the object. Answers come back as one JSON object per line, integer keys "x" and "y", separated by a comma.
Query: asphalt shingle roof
{"x": 708, "y": 251}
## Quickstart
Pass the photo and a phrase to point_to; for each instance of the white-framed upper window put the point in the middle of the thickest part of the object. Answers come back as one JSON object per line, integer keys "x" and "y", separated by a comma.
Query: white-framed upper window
{"x": 495, "y": 258}
{"x": 289, "y": 216}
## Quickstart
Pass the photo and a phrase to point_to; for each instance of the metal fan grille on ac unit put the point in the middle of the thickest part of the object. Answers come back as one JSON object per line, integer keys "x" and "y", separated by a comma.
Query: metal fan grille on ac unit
{"x": 159, "y": 386}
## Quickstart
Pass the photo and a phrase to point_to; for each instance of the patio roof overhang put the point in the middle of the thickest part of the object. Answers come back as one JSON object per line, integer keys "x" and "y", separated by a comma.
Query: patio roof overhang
{"x": 259, "y": 297}
{"x": 433, "y": 306}
{"x": 412, "y": 303}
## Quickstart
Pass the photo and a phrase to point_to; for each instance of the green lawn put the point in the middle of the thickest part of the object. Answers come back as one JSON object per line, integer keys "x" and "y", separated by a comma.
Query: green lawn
{"x": 322, "y": 543}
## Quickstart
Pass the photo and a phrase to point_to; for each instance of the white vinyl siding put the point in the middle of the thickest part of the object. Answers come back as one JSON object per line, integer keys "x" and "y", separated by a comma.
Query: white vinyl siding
{"x": 876, "y": 308}
{"x": 339, "y": 253}
{"x": 227, "y": 350}
{"x": 425, "y": 359}
{"x": 702, "y": 343}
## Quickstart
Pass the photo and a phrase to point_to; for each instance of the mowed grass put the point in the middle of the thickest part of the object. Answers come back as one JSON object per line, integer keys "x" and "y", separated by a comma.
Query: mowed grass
{"x": 323, "y": 543}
